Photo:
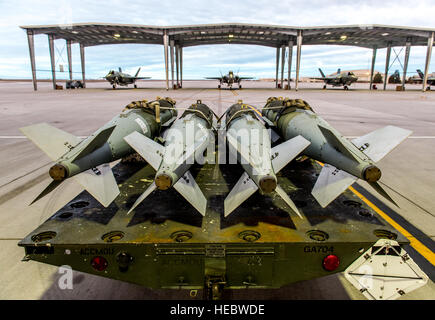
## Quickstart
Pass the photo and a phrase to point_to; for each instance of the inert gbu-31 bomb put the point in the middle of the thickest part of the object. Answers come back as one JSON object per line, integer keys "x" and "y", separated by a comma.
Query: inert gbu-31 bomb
{"x": 186, "y": 140}
{"x": 345, "y": 161}
{"x": 249, "y": 140}
{"x": 87, "y": 161}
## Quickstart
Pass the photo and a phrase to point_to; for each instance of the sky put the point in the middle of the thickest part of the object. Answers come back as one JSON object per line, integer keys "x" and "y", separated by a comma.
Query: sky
{"x": 203, "y": 61}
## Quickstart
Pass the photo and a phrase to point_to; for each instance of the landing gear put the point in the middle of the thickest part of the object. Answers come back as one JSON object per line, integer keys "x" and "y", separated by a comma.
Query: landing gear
{"x": 346, "y": 88}
{"x": 428, "y": 88}
{"x": 114, "y": 87}
{"x": 219, "y": 86}
{"x": 240, "y": 86}
{"x": 135, "y": 86}
{"x": 324, "y": 87}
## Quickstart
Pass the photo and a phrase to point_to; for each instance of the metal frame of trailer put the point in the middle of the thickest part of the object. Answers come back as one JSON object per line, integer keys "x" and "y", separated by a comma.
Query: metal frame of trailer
{"x": 166, "y": 244}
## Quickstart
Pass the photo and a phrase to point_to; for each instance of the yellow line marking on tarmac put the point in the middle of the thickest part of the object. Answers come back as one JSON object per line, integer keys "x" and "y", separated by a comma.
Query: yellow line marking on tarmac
{"x": 427, "y": 253}
{"x": 417, "y": 245}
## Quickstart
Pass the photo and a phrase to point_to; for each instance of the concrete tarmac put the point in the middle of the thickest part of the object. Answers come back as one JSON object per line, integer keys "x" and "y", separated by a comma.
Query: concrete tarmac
{"x": 408, "y": 172}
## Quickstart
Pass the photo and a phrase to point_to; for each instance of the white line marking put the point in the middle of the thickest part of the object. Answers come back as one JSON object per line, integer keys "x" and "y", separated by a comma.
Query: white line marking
{"x": 24, "y": 137}
{"x": 410, "y": 137}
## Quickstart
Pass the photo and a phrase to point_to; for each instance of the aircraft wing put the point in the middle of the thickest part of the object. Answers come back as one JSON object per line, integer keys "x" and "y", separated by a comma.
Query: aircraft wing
{"x": 322, "y": 78}
{"x": 246, "y": 78}
{"x": 214, "y": 78}
{"x": 140, "y": 78}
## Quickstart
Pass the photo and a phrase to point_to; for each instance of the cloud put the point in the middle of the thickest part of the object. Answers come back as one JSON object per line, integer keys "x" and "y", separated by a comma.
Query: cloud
{"x": 203, "y": 60}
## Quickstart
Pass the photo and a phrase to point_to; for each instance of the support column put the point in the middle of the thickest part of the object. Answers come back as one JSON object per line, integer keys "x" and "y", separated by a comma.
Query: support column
{"x": 181, "y": 67}
{"x": 290, "y": 53}
{"x": 171, "y": 43}
{"x": 68, "y": 53}
{"x": 32, "y": 57}
{"x": 82, "y": 60}
{"x": 405, "y": 64}
{"x": 428, "y": 57}
{"x": 277, "y": 67}
{"x": 52, "y": 61}
{"x": 282, "y": 65}
{"x": 298, "y": 58}
{"x": 372, "y": 69}
{"x": 387, "y": 65}
{"x": 177, "y": 63}
{"x": 165, "y": 45}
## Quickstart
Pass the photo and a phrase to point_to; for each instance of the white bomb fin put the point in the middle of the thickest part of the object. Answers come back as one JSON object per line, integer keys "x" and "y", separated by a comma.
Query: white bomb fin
{"x": 330, "y": 184}
{"x": 379, "y": 143}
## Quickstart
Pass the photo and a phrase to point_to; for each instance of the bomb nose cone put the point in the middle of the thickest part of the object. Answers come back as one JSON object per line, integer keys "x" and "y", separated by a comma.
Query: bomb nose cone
{"x": 372, "y": 174}
{"x": 267, "y": 184}
{"x": 58, "y": 172}
{"x": 163, "y": 181}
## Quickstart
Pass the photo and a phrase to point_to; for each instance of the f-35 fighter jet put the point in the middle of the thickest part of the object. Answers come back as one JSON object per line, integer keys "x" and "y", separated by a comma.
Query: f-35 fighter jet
{"x": 430, "y": 80}
{"x": 340, "y": 79}
{"x": 123, "y": 79}
{"x": 230, "y": 79}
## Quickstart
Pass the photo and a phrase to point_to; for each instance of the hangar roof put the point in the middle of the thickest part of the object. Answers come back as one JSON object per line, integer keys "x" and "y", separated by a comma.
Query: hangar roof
{"x": 368, "y": 36}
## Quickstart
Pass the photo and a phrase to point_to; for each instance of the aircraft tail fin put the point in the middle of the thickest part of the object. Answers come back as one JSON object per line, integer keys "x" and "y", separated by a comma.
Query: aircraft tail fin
{"x": 421, "y": 74}
{"x": 53, "y": 141}
{"x": 338, "y": 70}
{"x": 137, "y": 72}
{"x": 119, "y": 68}
{"x": 377, "y": 144}
{"x": 321, "y": 72}
{"x": 94, "y": 143}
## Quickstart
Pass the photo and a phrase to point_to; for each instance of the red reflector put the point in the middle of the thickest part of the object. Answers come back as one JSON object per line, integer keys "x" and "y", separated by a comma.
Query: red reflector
{"x": 99, "y": 263}
{"x": 331, "y": 262}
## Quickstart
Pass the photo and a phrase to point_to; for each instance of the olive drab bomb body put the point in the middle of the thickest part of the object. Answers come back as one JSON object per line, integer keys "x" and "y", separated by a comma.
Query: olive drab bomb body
{"x": 87, "y": 160}
{"x": 186, "y": 140}
{"x": 345, "y": 161}
{"x": 249, "y": 141}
